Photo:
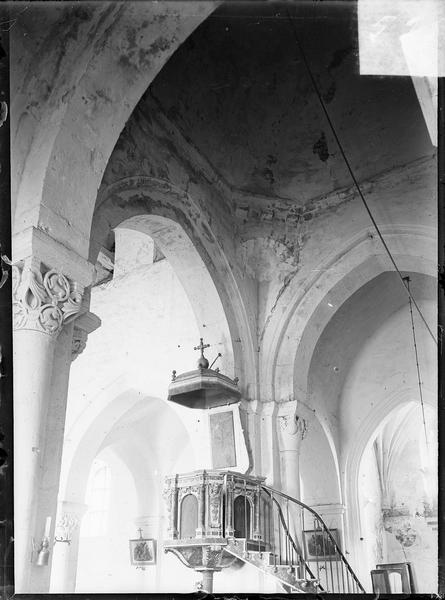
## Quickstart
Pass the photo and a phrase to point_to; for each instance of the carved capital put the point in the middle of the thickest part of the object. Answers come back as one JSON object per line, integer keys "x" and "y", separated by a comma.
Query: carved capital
{"x": 293, "y": 425}
{"x": 43, "y": 301}
{"x": 66, "y": 526}
{"x": 283, "y": 422}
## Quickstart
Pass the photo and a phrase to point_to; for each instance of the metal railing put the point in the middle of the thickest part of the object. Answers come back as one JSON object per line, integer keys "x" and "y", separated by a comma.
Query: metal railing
{"x": 301, "y": 537}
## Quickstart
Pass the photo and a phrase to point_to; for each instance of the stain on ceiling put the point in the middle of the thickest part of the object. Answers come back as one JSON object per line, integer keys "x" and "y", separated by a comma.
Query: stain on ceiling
{"x": 240, "y": 93}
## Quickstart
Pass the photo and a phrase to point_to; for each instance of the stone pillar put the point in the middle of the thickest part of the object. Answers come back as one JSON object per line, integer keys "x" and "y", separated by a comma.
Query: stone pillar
{"x": 45, "y": 304}
{"x": 270, "y": 453}
{"x": 291, "y": 432}
{"x": 66, "y": 547}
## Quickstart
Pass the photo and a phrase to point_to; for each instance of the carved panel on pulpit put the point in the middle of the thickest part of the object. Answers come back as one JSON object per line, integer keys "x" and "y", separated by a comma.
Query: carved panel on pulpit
{"x": 188, "y": 517}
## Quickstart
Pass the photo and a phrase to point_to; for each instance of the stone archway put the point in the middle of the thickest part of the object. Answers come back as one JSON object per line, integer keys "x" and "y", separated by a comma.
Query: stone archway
{"x": 77, "y": 74}
{"x": 380, "y": 449}
{"x": 304, "y": 319}
{"x": 165, "y": 212}
{"x": 98, "y": 59}
{"x": 285, "y": 367}
{"x": 310, "y": 317}
{"x": 107, "y": 425}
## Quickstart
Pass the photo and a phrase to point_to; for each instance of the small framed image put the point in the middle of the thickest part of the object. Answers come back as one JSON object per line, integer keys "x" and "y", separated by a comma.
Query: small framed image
{"x": 319, "y": 546}
{"x": 143, "y": 552}
{"x": 380, "y": 582}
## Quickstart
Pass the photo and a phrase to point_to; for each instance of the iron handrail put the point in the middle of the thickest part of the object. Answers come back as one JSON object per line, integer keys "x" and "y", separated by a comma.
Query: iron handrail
{"x": 290, "y": 537}
{"x": 272, "y": 492}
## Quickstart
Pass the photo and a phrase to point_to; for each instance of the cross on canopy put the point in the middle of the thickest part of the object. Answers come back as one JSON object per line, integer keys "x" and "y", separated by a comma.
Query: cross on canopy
{"x": 201, "y": 347}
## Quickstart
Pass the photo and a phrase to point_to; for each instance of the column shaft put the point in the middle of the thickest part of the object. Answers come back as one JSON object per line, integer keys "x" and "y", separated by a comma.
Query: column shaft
{"x": 52, "y": 447}
{"x": 33, "y": 359}
{"x": 207, "y": 581}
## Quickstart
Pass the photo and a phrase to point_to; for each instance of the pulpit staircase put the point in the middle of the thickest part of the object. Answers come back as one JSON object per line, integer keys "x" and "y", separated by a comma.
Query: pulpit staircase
{"x": 291, "y": 560}
{"x": 218, "y": 519}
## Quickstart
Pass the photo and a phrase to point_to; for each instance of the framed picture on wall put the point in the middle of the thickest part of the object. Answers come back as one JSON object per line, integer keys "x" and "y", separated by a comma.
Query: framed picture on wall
{"x": 319, "y": 546}
{"x": 143, "y": 552}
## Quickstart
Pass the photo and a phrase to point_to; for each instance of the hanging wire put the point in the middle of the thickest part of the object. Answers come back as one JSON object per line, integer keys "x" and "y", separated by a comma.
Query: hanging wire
{"x": 406, "y": 281}
{"x": 351, "y": 172}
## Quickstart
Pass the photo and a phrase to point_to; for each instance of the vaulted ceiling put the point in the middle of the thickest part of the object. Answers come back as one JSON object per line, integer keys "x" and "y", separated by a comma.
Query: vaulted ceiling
{"x": 240, "y": 93}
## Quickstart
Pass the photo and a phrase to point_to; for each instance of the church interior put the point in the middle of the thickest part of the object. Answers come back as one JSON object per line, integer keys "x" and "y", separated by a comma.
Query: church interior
{"x": 225, "y": 353}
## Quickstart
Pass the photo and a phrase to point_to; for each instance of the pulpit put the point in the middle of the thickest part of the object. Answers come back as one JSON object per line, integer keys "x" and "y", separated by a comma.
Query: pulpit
{"x": 205, "y": 510}
{"x": 219, "y": 518}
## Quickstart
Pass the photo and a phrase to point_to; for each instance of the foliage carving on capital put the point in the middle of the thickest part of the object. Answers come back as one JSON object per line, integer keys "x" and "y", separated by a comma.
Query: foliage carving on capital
{"x": 283, "y": 422}
{"x": 66, "y": 525}
{"x": 43, "y": 302}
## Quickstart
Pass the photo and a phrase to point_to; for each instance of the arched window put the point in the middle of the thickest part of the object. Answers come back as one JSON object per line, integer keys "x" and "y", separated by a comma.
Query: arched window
{"x": 94, "y": 523}
{"x": 189, "y": 516}
{"x": 241, "y": 517}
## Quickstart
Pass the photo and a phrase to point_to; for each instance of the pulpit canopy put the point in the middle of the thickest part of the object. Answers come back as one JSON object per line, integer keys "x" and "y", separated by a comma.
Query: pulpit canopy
{"x": 204, "y": 387}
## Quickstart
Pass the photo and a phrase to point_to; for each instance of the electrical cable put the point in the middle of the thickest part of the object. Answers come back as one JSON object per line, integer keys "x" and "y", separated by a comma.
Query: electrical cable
{"x": 331, "y": 125}
{"x": 419, "y": 380}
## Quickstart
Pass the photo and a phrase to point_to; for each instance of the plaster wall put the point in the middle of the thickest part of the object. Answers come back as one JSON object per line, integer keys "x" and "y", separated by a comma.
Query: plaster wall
{"x": 320, "y": 485}
{"x": 102, "y": 564}
{"x": 384, "y": 366}
{"x": 343, "y": 339}
{"x": 372, "y": 534}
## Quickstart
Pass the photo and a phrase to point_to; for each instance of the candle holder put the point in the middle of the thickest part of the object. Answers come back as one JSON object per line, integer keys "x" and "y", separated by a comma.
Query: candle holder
{"x": 43, "y": 553}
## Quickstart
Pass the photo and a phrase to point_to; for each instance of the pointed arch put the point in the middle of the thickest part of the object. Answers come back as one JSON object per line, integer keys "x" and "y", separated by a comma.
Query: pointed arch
{"x": 172, "y": 218}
